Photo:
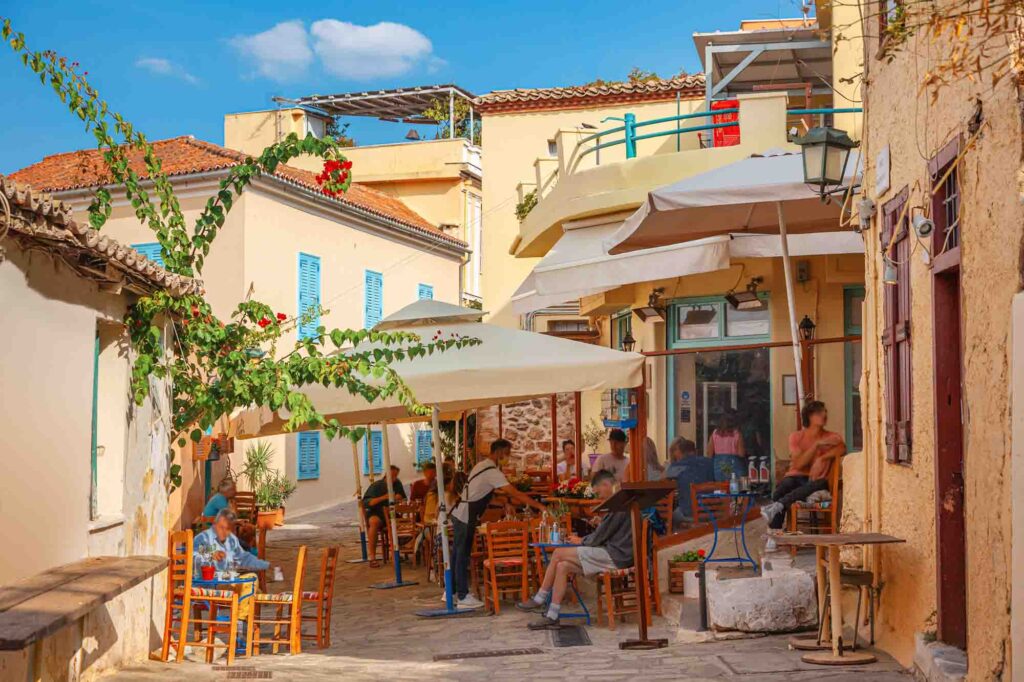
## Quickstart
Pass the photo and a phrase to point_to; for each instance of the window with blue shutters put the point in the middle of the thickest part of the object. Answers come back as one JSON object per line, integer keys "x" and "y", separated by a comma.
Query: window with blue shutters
{"x": 373, "y": 299}
{"x": 424, "y": 446}
{"x": 426, "y": 292}
{"x": 309, "y": 455}
{"x": 377, "y": 441}
{"x": 150, "y": 250}
{"x": 309, "y": 295}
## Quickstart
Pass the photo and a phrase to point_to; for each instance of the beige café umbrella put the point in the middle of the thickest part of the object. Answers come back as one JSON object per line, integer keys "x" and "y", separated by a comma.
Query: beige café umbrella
{"x": 508, "y": 365}
{"x": 762, "y": 194}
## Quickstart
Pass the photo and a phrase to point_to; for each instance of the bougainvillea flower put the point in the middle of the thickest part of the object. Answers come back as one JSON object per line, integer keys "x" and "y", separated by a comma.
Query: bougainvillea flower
{"x": 281, "y": 317}
{"x": 264, "y": 322}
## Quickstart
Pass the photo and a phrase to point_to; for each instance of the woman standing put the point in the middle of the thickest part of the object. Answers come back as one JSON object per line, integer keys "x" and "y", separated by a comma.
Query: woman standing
{"x": 726, "y": 449}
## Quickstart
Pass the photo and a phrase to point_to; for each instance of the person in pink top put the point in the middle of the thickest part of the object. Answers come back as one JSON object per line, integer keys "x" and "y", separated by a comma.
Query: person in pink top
{"x": 813, "y": 451}
{"x": 725, "y": 447}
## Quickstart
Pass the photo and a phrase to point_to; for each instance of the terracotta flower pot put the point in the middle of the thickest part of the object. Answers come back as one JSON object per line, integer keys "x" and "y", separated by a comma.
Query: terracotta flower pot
{"x": 280, "y": 516}
{"x": 266, "y": 519}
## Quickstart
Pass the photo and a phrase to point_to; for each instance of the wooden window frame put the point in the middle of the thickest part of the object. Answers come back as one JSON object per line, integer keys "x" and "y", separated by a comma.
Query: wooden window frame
{"x": 896, "y": 336}
{"x": 945, "y": 256}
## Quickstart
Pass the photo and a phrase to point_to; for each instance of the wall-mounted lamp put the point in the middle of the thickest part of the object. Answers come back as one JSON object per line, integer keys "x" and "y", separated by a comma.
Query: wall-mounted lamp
{"x": 889, "y": 274}
{"x": 747, "y": 300}
{"x": 826, "y": 151}
{"x": 628, "y": 343}
{"x": 653, "y": 307}
{"x": 807, "y": 327}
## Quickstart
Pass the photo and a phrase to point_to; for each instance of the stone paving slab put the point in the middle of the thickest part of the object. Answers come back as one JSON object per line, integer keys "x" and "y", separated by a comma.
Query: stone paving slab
{"x": 376, "y": 636}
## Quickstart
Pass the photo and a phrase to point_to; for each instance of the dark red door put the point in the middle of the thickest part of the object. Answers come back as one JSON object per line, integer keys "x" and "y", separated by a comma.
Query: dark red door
{"x": 949, "y": 460}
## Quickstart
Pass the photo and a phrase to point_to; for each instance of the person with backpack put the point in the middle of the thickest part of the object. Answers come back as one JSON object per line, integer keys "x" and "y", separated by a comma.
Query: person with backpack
{"x": 485, "y": 479}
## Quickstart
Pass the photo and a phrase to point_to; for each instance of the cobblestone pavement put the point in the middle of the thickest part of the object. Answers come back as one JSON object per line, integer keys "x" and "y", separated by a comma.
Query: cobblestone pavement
{"x": 377, "y": 637}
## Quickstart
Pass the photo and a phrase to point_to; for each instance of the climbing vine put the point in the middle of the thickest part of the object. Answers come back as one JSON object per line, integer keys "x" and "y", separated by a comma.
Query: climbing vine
{"x": 218, "y": 366}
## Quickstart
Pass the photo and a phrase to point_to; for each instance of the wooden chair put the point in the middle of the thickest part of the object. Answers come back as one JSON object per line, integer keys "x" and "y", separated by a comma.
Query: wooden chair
{"x": 616, "y": 590}
{"x": 245, "y": 505}
{"x": 476, "y": 562}
{"x": 322, "y": 599}
{"x": 409, "y": 521}
{"x": 542, "y": 482}
{"x": 719, "y": 508}
{"x": 818, "y": 518}
{"x": 506, "y": 563}
{"x": 290, "y": 624}
{"x": 665, "y": 508}
{"x": 186, "y": 605}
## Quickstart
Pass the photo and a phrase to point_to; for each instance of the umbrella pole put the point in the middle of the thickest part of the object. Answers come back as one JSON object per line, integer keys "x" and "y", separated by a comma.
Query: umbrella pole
{"x": 442, "y": 527}
{"x": 396, "y": 556}
{"x": 793, "y": 328}
{"x": 359, "y": 506}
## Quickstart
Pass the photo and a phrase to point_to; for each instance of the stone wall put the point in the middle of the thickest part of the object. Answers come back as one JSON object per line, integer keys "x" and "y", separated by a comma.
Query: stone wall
{"x": 528, "y": 426}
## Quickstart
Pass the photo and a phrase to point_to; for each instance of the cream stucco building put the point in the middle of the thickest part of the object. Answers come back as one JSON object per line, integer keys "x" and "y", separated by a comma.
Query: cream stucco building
{"x": 85, "y": 467}
{"x": 361, "y": 257}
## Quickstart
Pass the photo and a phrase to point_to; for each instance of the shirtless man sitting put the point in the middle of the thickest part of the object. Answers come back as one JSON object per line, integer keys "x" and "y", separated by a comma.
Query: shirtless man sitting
{"x": 813, "y": 450}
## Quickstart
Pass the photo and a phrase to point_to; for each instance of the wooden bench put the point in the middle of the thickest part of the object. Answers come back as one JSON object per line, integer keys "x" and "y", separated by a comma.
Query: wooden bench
{"x": 38, "y": 606}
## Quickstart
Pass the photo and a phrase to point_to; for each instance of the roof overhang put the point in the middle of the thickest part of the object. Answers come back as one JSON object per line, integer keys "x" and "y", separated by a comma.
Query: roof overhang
{"x": 398, "y": 104}
{"x": 737, "y": 61}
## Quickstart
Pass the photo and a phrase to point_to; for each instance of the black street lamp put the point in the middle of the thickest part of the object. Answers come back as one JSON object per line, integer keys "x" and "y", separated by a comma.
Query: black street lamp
{"x": 807, "y": 327}
{"x": 826, "y": 152}
{"x": 628, "y": 342}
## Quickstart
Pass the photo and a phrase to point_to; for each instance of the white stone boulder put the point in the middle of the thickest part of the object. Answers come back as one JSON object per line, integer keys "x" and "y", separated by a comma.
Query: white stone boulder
{"x": 777, "y": 601}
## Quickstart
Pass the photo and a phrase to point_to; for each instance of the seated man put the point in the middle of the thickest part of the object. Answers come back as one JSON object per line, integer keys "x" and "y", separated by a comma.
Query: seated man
{"x": 419, "y": 489}
{"x": 813, "y": 451}
{"x": 226, "y": 492}
{"x": 375, "y": 499}
{"x": 219, "y": 545}
{"x": 615, "y": 460}
{"x": 686, "y": 468}
{"x": 609, "y": 547}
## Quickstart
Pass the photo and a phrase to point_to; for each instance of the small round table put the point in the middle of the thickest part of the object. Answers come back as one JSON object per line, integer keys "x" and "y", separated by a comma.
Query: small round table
{"x": 544, "y": 548}
{"x": 738, "y": 500}
{"x": 236, "y": 583}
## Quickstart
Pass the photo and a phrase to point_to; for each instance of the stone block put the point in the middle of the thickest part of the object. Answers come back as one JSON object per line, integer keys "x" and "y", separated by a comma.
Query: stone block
{"x": 938, "y": 662}
{"x": 781, "y": 601}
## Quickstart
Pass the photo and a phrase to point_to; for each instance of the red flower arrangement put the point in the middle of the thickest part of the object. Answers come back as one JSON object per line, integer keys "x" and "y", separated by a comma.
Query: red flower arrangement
{"x": 335, "y": 177}
{"x": 575, "y": 488}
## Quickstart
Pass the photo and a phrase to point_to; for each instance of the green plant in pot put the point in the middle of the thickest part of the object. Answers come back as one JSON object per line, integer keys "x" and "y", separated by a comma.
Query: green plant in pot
{"x": 257, "y": 463}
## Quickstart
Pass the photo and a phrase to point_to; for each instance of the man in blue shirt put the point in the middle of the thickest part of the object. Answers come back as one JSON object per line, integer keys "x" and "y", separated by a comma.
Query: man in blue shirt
{"x": 222, "y": 500}
{"x": 218, "y": 545}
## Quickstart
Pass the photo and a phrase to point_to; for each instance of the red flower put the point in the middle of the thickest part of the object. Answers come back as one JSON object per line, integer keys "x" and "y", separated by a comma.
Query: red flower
{"x": 264, "y": 322}
{"x": 700, "y": 553}
{"x": 281, "y": 317}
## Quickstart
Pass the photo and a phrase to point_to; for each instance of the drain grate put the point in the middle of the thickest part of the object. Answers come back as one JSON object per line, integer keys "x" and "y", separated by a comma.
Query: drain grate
{"x": 570, "y": 635}
{"x": 488, "y": 654}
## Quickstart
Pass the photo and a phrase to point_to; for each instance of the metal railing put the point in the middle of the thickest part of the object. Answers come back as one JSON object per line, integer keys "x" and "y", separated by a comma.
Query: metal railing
{"x": 630, "y": 125}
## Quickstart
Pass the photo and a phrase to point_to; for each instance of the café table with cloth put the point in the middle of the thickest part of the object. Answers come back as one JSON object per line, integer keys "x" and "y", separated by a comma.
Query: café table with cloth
{"x": 236, "y": 560}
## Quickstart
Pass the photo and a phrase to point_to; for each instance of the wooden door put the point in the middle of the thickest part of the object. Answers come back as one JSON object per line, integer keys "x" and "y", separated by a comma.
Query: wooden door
{"x": 949, "y": 460}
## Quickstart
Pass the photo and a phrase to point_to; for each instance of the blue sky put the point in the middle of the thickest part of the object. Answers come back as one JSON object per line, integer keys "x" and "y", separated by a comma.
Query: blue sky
{"x": 177, "y": 68}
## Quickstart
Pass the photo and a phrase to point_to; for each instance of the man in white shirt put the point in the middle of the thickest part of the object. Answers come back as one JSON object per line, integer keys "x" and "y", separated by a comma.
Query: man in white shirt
{"x": 484, "y": 481}
{"x": 567, "y": 462}
{"x": 615, "y": 461}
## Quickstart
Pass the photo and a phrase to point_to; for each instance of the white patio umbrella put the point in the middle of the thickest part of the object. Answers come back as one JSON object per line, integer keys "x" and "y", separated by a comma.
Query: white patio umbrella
{"x": 508, "y": 365}
{"x": 762, "y": 194}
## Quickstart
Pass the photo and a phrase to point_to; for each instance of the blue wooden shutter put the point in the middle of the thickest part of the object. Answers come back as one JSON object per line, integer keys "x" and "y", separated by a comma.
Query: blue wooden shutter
{"x": 309, "y": 455}
{"x": 374, "y": 299}
{"x": 309, "y": 295}
{"x": 377, "y": 443}
{"x": 426, "y": 292}
{"x": 150, "y": 250}
{"x": 424, "y": 446}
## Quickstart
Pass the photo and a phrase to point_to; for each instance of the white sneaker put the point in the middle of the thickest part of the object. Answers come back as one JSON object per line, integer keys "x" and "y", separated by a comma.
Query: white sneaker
{"x": 470, "y": 602}
{"x": 770, "y": 511}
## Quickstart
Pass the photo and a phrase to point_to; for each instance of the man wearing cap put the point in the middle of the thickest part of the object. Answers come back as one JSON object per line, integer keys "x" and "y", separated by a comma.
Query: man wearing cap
{"x": 614, "y": 461}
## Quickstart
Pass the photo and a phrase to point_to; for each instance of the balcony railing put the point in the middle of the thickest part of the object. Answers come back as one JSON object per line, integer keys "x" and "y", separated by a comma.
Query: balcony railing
{"x": 627, "y": 135}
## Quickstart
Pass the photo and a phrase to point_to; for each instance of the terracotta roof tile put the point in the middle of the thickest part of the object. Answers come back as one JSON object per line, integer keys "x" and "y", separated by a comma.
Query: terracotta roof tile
{"x": 576, "y": 95}
{"x": 48, "y": 223}
{"x": 187, "y": 156}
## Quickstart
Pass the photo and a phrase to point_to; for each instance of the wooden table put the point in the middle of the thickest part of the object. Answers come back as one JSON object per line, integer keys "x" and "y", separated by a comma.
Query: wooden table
{"x": 831, "y": 578}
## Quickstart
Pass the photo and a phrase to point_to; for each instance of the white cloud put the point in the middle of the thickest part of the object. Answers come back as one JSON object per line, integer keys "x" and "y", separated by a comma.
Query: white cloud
{"x": 164, "y": 67}
{"x": 281, "y": 53}
{"x": 365, "y": 52}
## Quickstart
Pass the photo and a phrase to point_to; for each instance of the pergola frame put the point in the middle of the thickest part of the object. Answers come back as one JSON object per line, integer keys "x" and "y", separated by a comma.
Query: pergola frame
{"x": 400, "y": 104}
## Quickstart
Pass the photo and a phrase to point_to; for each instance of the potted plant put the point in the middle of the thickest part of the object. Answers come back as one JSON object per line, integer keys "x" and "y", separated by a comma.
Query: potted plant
{"x": 679, "y": 566}
{"x": 593, "y": 435}
{"x": 257, "y": 463}
{"x": 268, "y": 503}
{"x": 286, "y": 487}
